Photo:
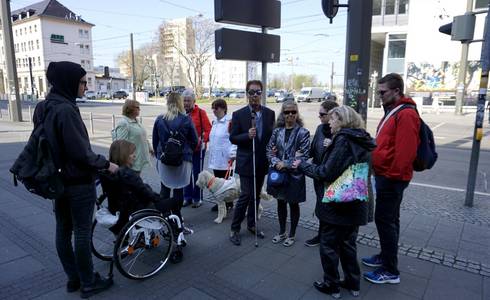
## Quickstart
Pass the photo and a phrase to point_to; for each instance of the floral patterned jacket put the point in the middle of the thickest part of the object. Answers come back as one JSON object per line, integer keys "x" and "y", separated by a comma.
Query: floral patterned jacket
{"x": 349, "y": 146}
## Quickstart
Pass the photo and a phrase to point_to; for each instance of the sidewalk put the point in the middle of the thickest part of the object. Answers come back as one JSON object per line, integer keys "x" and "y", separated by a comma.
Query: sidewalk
{"x": 215, "y": 269}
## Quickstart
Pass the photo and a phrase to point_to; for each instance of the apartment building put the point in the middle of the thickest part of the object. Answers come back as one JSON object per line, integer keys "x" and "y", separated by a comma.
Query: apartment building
{"x": 44, "y": 32}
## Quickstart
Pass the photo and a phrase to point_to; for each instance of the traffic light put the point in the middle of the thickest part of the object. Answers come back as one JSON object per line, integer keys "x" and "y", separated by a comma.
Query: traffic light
{"x": 461, "y": 29}
{"x": 330, "y": 8}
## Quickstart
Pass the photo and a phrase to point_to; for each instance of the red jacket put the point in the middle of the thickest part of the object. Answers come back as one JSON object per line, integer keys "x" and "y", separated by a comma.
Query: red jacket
{"x": 397, "y": 143}
{"x": 200, "y": 120}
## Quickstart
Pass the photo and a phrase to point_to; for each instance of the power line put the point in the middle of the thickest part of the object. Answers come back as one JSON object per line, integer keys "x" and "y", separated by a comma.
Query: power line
{"x": 120, "y": 13}
{"x": 180, "y": 6}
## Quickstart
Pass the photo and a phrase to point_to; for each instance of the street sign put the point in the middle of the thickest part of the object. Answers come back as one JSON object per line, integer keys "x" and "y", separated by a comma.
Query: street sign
{"x": 246, "y": 45}
{"x": 256, "y": 13}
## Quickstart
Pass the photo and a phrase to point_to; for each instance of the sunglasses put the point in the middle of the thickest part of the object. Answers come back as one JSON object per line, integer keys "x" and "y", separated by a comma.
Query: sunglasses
{"x": 289, "y": 112}
{"x": 254, "y": 92}
{"x": 322, "y": 114}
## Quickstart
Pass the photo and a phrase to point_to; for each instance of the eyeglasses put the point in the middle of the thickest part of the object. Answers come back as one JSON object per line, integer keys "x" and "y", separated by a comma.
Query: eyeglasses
{"x": 137, "y": 107}
{"x": 254, "y": 93}
{"x": 290, "y": 112}
{"x": 84, "y": 82}
{"x": 322, "y": 114}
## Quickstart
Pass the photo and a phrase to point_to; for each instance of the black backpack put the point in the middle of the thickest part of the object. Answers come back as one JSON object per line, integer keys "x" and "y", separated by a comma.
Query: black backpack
{"x": 426, "y": 151}
{"x": 35, "y": 166}
{"x": 173, "y": 150}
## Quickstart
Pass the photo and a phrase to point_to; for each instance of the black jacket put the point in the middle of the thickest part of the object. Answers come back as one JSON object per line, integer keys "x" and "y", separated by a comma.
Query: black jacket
{"x": 349, "y": 146}
{"x": 64, "y": 126}
{"x": 240, "y": 124}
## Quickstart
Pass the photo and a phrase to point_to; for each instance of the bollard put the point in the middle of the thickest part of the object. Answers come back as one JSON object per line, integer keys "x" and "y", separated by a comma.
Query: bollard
{"x": 30, "y": 115}
{"x": 113, "y": 122}
{"x": 91, "y": 123}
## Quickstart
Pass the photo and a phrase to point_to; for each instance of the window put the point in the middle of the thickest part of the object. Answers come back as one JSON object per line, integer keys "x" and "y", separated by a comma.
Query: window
{"x": 80, "y": 32}
{"x": 25, "y": 30}
{"x": 20, "y": 31}
{"x": 376, "y": 7}
{"x": 389, "y": 7}
{"x": 85, "y": 33}
{"x": 30, "y": 29}
{"x": 56, "y": 38}
{"x": 35, "y": 28}
{"x": 37, "y": 44}
{"x": 396, "y": 53}
{"x": 39, "y": 60}
{"x": 40, "y": 85}
{"x": 481, "y": 4}
{"x": 15, "y": 32}
{"x": 402, "y": 7}
{"x": 88, "y": 64}
{"x": 87, "y": 50}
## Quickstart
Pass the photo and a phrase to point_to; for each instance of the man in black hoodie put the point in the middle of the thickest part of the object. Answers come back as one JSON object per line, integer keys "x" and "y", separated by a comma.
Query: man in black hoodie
{"x": 70, "y": 145}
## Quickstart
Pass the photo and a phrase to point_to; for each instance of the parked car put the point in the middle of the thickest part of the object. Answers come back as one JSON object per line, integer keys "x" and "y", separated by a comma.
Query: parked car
{"x": 308, "y": 94}
{"x": 91, "y": 95}
{"x": 120, "y": 95}
{"x": 329, "y": 96}
{"x": 285, "y": 97}
{"x": 80, "y": 100}
{"x": 238, "y": 94}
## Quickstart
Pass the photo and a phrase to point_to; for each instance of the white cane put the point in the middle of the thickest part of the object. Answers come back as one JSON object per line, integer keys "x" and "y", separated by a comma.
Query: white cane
{"x": 255, "y": 181}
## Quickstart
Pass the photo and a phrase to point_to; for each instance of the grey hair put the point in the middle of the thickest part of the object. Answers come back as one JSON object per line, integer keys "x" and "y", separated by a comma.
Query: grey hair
{"x": 189, "y": 93}
{"x": 348, "y": 117}
{"x": 281, "y": 120}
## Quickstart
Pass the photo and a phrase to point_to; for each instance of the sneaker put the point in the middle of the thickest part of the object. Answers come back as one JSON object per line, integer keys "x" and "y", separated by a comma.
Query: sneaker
{"x": 373, "y": 261}
{"x": 313, "y": 242}
{"x": 327, "y": 289}
{"x": 235, "y": 238}
{"x": 100, "y": 285}
{"x": 381, "y": 276}
{"x": 72, "y": 286}
{"x": 353, "y": 291}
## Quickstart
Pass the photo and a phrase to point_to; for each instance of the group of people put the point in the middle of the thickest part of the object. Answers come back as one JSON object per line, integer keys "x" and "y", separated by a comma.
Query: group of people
{"x": 260, "y": 146}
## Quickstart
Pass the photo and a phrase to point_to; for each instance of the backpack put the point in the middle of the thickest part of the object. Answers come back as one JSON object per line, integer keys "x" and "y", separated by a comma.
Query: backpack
{"x": 426, "y": 151}
{"x": 35, "y": 166}
{"x": 173, "y": 150}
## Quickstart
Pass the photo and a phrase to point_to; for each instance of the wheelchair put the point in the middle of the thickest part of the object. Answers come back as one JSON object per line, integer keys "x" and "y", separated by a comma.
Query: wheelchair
{"x": 143, "y": 246}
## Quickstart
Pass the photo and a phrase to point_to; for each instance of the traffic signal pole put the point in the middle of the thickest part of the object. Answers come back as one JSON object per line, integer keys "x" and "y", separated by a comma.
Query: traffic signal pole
{"x": 463, "y": 65}
{"x": 480, "y": 113}
{"x": 358, "y": 54}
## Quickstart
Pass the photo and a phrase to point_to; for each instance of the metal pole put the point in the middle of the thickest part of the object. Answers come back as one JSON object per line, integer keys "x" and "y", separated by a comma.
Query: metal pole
{"x": 331, "y": 79}
{"x": 91, "y": 122}
{"x": 357, "y": 56}
{"x": 133, "y": 70}
{"x": 264, "y": 77}
{"x": 463, "y": 65}
{"x": 30, "y": 115}
{"x": 31, "y": 79}
{"x": 480, "y": 113}
{"x": 113, "y": 122}
{"x": 15, "y": 107}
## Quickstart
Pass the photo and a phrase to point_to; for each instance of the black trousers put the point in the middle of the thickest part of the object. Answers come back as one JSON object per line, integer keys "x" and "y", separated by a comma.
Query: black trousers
{"x": 389, "y": 194}
{"x": 339, "y": 242}
{"x": 245, "y": 202}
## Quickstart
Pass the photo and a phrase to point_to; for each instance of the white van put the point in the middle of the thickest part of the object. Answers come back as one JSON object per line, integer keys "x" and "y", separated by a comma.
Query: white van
{"x": 308, "y": 94}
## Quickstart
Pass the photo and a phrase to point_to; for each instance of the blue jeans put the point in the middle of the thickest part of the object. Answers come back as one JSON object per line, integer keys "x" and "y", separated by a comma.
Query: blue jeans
{"x": 74, "y": 212}
{"x": 192, "y": 192}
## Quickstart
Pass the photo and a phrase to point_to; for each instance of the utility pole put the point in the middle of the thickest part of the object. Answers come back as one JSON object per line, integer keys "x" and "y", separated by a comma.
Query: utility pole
{"x": 133, "y": 69}
{"x": 463, "y": 65}
{"x": 331, "y": 79}
{"x": 264, "y": 76}
{"x": 31, "y": 79}
{"x": 480, "y": 113}
{"x": 8, "y": 43}
{"x": 358, "y": 51}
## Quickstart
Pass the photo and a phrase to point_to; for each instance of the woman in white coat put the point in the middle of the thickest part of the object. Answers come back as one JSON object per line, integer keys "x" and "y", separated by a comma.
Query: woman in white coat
{"x": 221, "y": 151}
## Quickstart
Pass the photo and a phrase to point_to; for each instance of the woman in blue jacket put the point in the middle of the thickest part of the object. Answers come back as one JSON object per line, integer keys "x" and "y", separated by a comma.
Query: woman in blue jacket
{"x": 174, "y": 119}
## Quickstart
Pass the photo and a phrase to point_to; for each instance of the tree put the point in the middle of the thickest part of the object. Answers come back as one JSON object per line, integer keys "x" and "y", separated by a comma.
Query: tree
{"x": 195, "y": 46}
{"x": 143, "y": 63}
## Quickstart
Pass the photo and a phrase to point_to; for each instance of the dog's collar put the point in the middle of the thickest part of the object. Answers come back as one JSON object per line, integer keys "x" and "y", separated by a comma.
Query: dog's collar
{"x": 211, "y": 181}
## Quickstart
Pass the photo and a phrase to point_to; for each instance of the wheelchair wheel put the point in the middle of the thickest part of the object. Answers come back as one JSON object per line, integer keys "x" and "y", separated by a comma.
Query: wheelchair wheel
{"x": 103, "y": 241}
{"x": 144, "y": 245}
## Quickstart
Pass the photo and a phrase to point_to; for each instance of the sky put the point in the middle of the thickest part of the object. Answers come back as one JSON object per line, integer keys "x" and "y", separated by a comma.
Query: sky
{"x": 309, "y": 43}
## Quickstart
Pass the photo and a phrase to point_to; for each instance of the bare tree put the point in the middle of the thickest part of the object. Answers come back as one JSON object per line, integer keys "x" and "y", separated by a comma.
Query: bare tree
{"x": 143, "y": 62}
{"x": 195, "y": 51}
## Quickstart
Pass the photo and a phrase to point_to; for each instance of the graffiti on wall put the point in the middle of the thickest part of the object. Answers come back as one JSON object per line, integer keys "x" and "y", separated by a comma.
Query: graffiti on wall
{"x": 423, "y": 76}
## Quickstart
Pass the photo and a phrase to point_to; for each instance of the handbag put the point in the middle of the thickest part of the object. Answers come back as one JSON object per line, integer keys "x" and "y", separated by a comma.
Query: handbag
{"x": 276, "y": 178}
{"x": 350, "y": 186}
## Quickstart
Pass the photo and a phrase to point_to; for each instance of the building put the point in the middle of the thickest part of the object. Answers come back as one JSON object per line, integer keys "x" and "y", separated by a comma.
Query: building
{"x": 406, "y": 40}
{"x": 228, "y": 74}
{"x": 44, "y": 32}
{"x": 109, "y": 80}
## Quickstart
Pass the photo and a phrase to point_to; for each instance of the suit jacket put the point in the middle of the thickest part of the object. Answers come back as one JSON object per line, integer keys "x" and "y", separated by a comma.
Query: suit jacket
{"x": 240, "y": 124}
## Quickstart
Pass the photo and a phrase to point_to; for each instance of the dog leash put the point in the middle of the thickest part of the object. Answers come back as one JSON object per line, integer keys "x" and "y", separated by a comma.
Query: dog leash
{"x": 228, "y": 170}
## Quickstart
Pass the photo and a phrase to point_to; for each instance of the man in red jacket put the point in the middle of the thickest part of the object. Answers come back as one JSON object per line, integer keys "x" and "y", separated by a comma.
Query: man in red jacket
{"x": 192, "y": 193}
{"x": 397, "y": 139}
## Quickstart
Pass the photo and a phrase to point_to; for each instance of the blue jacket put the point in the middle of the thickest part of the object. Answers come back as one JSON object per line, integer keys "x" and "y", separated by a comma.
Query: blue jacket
{"x": 184, "y": 125}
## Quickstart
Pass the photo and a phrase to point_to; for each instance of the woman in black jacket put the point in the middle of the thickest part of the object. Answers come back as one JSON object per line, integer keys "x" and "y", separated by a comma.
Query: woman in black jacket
{"x": 341, "y": 211}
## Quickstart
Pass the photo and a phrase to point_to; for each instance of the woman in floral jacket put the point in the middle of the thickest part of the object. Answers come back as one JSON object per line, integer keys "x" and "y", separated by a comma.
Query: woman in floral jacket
{"x": 350, "y": 147}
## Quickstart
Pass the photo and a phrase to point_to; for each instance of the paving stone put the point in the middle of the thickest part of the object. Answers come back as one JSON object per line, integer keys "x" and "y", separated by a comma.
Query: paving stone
{"x": 192, "y": 294}
{"x": 275, "y": 286}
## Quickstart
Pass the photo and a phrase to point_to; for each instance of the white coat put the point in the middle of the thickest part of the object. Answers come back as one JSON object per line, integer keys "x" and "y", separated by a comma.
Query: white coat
{"x": 221, "y": 150}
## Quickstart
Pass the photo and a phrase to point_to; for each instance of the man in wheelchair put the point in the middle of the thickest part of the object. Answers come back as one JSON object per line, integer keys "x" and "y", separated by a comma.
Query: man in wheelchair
{"x": 127, "y": 193}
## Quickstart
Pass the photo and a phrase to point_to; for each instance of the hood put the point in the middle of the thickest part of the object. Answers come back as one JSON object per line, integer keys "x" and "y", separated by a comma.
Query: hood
{"x": 402, "y": 100}
{"x": 64, "y": 77}
{"x": 359, "y": 137}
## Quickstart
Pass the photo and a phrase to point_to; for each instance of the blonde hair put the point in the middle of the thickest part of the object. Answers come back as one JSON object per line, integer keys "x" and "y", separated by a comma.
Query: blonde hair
{"x": 348, "y": 117}
{"x": 175, "y": 105}
{"x": 129, "y": 107}
{"x": 120, "y": 151}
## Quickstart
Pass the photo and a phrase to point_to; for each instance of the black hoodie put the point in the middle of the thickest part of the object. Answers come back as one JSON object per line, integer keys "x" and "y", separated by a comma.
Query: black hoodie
{"x": 64, "y": 127}
{"x": 349, "y": 146}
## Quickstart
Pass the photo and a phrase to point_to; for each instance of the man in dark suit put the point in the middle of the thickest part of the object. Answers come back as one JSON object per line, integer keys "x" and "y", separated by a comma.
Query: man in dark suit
{"x": 242, "y": 134}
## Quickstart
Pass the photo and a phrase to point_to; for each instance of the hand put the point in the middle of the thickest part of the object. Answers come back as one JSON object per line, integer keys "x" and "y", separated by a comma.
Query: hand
{"x": 274, "y": 150}
{"x": 280, "y": 165}
{"x": 112, "y": 167}
{"x": 252, "y": 132}
{"x": 152, "y": 153}
{"x": 327, "y": 142}
{"x": 296, "y": 163}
